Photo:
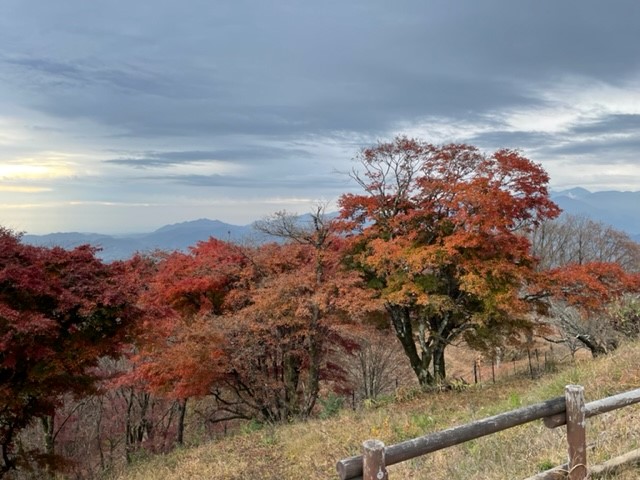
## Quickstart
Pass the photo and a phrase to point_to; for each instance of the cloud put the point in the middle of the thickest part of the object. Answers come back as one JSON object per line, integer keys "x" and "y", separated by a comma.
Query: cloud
{"x": 511, "y": 139}
{"x": 273, "y": 183}
{"x": 248, "y": 155}
{"x": 282, "y": 70}
{"x": 619, "y": 123}
{"x": 604, "y": 150}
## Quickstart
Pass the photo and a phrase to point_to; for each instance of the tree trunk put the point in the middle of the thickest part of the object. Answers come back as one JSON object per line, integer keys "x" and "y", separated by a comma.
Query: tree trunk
{"x": 291, "y": 381}
{"x": 8, "y": 461}
{"x": 48, "y": 428}
{"x": 439, "y": 371}
{"x": 99, "y": 432}
{"x": 315, "y": 358}
{"x": 595, "y": 347}
{"x": 401, "y": 320}
{"x": 182, "y": 407}
{"x": 128, "y": 430}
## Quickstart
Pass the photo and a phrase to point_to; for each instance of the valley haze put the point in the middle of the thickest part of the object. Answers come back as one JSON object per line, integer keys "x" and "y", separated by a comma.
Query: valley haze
{"x": 621, "y": 210}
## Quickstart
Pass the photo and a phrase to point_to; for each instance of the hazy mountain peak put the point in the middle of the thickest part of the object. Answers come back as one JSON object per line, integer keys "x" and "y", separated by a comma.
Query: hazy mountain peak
{"x": 621, "y": 210}
{"x": 199, "y": 224}
{"x": 577, "y": 192}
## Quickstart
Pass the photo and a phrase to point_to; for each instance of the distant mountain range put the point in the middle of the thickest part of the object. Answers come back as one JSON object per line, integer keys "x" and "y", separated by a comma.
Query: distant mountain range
{"x": 178, "y": 236}
{"x": 618, "y": 209}
{"x": 621, "y": 210}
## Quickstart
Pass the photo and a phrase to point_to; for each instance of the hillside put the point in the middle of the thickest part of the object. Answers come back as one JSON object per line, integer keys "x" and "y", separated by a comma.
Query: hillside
{"x": 310, "y": 450}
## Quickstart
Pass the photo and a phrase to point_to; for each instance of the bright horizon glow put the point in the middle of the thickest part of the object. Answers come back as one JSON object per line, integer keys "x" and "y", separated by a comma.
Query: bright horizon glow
{"x": 34, "y": 170}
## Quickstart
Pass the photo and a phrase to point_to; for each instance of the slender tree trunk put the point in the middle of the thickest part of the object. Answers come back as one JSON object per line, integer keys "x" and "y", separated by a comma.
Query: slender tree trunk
{"x": 128, "y": 430}
{"x": 48, "y": 428}
{"x": 8, "y": 462}
{"x": 99, "y": 432}
{"x": 291, "y": 381}
{"x": 315, "y": 357}
{"x": 182, "y": 407}
{"x": 48, "y": 425}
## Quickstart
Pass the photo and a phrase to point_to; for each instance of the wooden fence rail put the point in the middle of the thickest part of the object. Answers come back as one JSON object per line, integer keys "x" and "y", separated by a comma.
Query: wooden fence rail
{"x": 569, "y": 410}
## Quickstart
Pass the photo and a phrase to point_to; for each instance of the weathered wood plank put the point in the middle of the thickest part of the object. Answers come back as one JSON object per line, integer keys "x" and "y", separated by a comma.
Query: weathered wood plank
{"x": 617, "y": 464}
{"x": 598, "y": 407}
{"x": 555, "y": 473}
{"x": 350, "y": 468}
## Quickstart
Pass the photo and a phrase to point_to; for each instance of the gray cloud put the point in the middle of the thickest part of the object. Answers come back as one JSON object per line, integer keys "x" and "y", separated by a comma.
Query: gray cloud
{"x": 273, "y": 183}
{"x": 620, "y": 123}
{"x": 246, "y": 155}
{"x": 511, "y": 139}
{"x": 296, "y": 68}
{"x": 602, "y": 150}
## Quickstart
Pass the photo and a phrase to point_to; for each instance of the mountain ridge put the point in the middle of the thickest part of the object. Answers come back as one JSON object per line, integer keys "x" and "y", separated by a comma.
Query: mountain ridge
{"x": 177, "y": 236}
{"x": 621, "y": 210}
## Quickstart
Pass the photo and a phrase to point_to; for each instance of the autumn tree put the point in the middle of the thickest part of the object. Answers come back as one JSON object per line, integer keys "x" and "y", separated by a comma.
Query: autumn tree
{"x": 438, "y": 233}
{"x": 586, "y": 268}
{"x": 178, "y": 353}
{"x": 624, "y": 314}
{"x": 377, "y": 365}
{"x": 299, "y": 295}
{"x": 314, "y": 240}
{"x": 581, "y": 298}
{"x": 60, "y": 312}
{"x": 572, "y": 239}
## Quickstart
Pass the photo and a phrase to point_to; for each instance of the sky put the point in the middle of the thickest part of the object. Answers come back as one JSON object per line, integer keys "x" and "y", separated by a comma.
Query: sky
{"x": 123, "y": 116}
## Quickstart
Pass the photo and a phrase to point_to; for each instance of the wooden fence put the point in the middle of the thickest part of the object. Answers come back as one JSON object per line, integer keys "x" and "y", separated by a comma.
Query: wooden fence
{"x": 569, "y": 410}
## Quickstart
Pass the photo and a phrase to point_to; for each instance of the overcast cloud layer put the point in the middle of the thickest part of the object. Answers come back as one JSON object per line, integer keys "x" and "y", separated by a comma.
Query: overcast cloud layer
{"x": 124, "y": 116}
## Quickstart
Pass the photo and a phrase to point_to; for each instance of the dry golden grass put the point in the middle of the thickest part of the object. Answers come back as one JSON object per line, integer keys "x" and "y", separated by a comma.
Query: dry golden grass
{"x": 310, "y": 450}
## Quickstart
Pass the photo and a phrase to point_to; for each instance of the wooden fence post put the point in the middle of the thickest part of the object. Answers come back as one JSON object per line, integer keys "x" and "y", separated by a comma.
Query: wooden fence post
{"x": 493, "y": 369}
{"x": 576, "y": 438}
{"x": 373, "y": 466}
{"x": 530, "y": 364}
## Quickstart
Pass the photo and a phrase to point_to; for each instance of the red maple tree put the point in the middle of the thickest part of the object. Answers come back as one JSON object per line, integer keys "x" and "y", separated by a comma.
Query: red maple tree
{"x": 60, "y": 312}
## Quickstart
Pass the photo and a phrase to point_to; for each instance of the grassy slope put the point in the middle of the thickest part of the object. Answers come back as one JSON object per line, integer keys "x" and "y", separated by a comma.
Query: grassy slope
{"x": 310, "y": 450}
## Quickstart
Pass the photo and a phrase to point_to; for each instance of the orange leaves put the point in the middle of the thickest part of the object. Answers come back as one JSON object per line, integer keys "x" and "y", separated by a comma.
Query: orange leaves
{"x": 591, "y": 286}
{"x": 231, "y": 317}
{"x": 429, "y": 206}
{"x": 186, "y": 363}
{"x": 185, "y": 297}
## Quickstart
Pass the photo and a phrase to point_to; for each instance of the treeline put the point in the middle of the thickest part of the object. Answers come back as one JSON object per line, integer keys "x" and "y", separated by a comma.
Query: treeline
{"x": 443, "y": 244}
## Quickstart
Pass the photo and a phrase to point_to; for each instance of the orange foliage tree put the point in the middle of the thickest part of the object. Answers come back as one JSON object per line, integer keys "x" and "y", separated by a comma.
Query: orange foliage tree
{"x": 278, "y": 345}
{"x": 248, "y": 326}
{"x": 178, "y": 353}
{"x": 439, "y": 234}
{"x": 579, "y": 295}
